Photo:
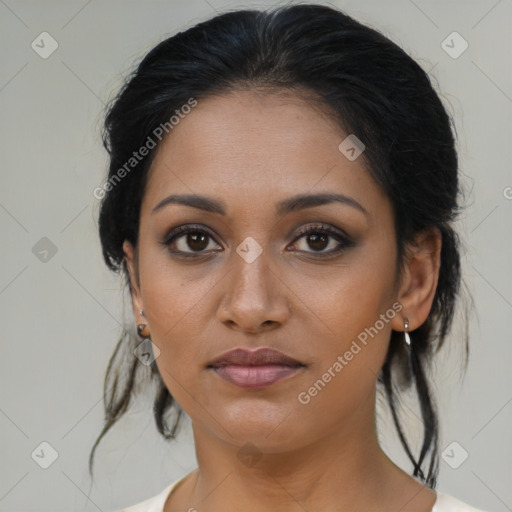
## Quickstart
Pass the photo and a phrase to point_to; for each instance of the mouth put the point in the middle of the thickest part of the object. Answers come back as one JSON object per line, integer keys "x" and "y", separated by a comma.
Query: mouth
{"x": 255, "y": 369}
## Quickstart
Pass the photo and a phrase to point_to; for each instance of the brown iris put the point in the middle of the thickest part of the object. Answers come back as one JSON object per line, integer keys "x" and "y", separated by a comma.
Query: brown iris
{"x": 314, "y": 239}
{"x": 197, "y": 241}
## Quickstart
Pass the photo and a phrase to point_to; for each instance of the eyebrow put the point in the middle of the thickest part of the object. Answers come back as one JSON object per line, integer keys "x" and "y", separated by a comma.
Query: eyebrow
{"x": 292, "y": 204}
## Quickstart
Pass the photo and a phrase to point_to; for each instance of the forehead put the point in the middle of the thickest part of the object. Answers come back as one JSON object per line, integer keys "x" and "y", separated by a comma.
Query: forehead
{"x": 255, "y": 146}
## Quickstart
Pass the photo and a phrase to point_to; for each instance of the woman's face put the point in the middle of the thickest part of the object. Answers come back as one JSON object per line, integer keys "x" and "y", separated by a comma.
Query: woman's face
{"x": 250, "y": 278}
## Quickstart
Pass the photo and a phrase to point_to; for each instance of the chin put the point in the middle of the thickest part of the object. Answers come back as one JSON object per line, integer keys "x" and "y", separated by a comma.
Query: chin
{"x": 270, "y": 427}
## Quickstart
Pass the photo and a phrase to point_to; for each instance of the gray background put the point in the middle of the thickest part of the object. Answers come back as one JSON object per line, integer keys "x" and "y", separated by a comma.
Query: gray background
{"x": 61, "y": 313}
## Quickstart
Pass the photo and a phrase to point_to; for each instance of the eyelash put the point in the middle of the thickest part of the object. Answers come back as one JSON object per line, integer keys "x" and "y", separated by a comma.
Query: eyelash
{"x": 323, "y": 229}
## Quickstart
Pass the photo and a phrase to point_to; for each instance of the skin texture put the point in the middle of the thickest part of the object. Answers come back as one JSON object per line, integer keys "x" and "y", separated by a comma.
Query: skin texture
{"x": 250, "y": 151}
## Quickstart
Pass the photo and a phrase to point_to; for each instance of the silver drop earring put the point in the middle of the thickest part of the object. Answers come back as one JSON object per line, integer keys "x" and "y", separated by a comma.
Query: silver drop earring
{"x": 406, "y": 333}
{"x": 408, "y": 347}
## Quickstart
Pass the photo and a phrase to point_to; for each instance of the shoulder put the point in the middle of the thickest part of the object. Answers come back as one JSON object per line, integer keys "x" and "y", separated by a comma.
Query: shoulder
{"x": 447, "y": 503}
{"x": 155, "y": 503}
{"x": 444, "y": 502}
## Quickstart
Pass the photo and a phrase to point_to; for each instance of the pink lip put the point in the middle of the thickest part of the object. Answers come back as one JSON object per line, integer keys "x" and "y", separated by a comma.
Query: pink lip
{"x": 261, "y": 356}
{"x": 254, "y": 377}
{"x": 254, "y": 369}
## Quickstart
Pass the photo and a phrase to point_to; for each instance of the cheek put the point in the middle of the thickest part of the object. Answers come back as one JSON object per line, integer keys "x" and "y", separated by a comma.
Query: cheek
{"x": 172, "y": 292}
{"x": 359, "y": 315}
{"x": 348, "y": 298}
{"x": 353, "y": 312}
{"x": 176, "y": 308}
{"x": 177, "y": 317}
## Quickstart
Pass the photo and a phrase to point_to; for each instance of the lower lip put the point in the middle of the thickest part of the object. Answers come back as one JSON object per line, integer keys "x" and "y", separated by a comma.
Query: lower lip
{"x": 254, "y": 377}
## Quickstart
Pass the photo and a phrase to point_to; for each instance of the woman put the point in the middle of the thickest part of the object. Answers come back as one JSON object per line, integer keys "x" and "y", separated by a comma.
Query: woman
{"x": 280, "y": 199}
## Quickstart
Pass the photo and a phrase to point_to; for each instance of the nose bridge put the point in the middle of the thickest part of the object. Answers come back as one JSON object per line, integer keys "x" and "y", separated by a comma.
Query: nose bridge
{"x": 250, "y": 280}
{"x": 251, "y": 297}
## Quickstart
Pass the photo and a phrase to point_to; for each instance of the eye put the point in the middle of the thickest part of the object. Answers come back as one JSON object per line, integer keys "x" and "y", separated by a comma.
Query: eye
{"x": 321, "y": 236}
{"x": 189, "y": 240}
{"x": 193, "y": 240}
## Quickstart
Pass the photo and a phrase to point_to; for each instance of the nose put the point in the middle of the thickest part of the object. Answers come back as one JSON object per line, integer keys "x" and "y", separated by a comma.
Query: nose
{"x": 253, "y": 299}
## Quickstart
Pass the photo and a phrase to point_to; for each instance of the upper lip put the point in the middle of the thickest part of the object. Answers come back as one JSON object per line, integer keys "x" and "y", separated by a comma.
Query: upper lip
{"x": 261, "y": 356}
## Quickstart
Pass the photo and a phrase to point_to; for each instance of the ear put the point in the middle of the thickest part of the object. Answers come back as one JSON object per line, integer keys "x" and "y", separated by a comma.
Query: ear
{"x": 131, "y": 264}
{"x": 419, "y": 282}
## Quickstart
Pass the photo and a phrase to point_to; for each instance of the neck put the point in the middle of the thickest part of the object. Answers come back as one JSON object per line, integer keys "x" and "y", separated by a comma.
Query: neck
{"x": 343, "y": 470}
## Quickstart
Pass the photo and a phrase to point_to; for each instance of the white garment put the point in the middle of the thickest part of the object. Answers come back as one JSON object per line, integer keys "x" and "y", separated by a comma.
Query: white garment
{"x": 444, "y": 502}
